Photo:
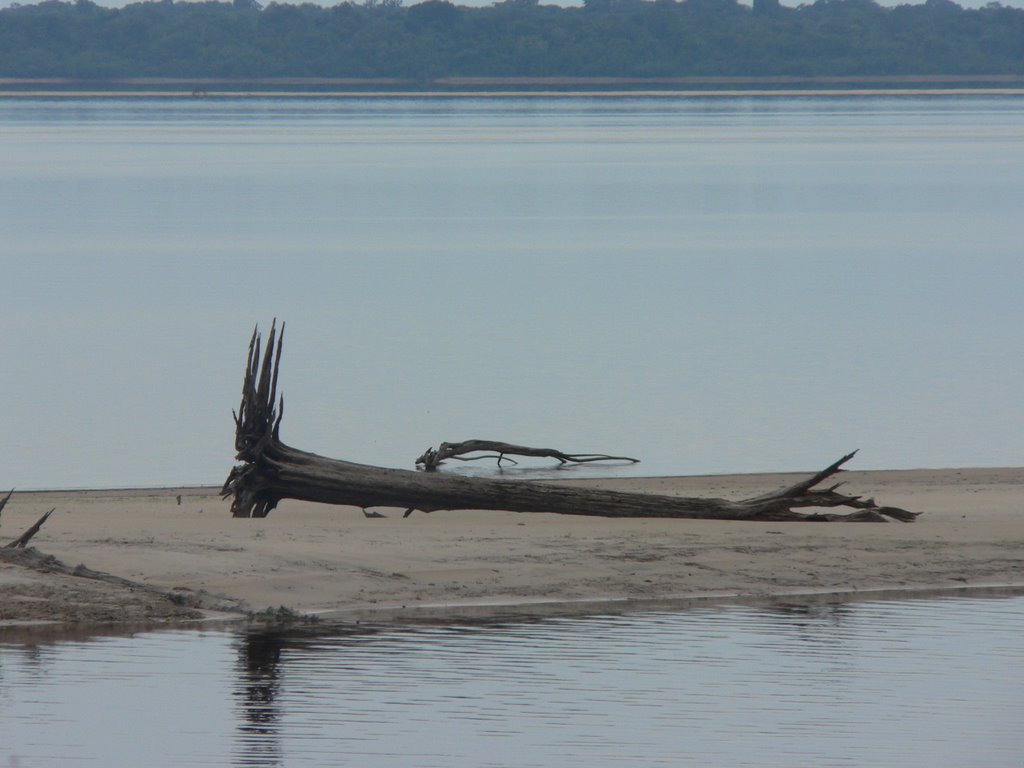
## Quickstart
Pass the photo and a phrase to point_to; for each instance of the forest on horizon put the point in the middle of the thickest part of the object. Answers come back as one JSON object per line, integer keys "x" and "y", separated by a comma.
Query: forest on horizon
{"x": 515, "y": 38}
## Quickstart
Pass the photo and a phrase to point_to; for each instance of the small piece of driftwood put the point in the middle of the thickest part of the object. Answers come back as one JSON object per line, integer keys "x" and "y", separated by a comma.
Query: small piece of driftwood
{"x": 493, "y": 449}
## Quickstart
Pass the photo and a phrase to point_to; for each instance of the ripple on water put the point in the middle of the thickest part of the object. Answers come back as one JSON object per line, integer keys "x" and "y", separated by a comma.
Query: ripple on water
{"x": 900, "y": 683}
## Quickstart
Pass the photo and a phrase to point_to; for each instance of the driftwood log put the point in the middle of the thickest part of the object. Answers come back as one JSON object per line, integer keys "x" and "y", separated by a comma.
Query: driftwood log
{"x": 5, "y": 499}
{"x": 432, "y": 458}
{"x": 269, "y": 471}
{"x": 22, "y": 541}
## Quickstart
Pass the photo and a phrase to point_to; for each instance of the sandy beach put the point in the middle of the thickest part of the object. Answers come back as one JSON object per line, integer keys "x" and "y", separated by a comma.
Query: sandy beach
{"x": 173, "y": 554}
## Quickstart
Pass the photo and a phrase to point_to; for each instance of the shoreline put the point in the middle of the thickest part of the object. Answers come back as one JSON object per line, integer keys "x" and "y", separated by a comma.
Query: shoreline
{"x": 532, "y": 609}
{"x": 463, "y": 87}
{"x": 191, "y": 559}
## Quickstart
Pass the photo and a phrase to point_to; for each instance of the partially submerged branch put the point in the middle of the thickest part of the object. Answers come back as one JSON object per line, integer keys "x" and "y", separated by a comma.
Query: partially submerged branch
{"x": 432, "y": 458}
{"x": 271, "y": 471}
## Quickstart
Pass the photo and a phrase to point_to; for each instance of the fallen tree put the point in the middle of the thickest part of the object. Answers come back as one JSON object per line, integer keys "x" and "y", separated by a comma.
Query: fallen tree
{"x": 432, "y": 458}
{"x": 270, "y": 471}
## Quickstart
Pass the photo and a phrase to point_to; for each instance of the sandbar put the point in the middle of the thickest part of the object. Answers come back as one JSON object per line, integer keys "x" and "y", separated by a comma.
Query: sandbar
{"x": 177, "y": 554}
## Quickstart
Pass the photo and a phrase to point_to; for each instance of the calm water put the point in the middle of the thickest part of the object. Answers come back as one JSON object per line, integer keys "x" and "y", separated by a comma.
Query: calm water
{"x": 712, "y": 284}
{"x": 902, "y": 683}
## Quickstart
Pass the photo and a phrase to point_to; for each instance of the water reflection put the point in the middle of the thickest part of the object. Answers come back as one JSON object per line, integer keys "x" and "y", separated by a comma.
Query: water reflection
{"x": 935, "y": 682}
{"x": 806, "y": 627}
{"x": 259, "y": 657}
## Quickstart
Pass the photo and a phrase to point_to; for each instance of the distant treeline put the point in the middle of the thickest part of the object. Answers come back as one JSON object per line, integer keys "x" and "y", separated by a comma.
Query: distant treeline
{"x": 516, "y": 38}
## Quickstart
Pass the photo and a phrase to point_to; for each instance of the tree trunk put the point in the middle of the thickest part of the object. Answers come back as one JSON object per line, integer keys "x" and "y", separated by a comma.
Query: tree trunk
{"x": 271, "y": 471}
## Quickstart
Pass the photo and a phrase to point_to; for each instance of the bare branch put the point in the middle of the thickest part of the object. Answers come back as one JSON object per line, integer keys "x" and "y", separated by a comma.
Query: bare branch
{"x": 432, "y": 459}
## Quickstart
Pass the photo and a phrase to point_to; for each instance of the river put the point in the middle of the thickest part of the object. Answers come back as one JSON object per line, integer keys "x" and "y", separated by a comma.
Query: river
{"x": 899, "y": 683}
{"x": 710, "y": 284}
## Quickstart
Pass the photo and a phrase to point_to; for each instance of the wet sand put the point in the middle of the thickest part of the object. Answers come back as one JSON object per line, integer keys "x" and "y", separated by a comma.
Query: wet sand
{"x": 190, "y": 559}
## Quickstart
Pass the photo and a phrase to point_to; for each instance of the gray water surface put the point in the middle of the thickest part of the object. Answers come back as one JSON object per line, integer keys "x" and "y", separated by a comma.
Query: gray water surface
{"x": 712, "y": 285}
{"x": 931, "y": 682}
